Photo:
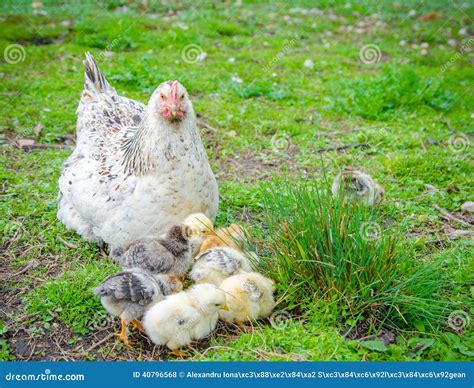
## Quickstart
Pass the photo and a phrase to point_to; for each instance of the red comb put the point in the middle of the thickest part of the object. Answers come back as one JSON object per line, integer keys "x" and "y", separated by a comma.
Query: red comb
{"x": 174, "y": 92}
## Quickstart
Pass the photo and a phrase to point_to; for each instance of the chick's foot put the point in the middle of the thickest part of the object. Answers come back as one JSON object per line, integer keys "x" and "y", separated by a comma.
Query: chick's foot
{"x": 122, "y": 336}
{"x": 138, "y": 326}
{"x": 180, "y": 353}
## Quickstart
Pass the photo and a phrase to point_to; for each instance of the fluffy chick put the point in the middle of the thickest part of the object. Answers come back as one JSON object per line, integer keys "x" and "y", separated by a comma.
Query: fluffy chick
{"x": 201, "y": 222}
{"x": 129, "y": 293}
{"x": 217, "y": 264}
{"x": 171, "y": 254}
{"x": 185, "y": 316}
{"x": 201, "y": 226}
{"x": 249, "y": 296}
{"x": 358, "y": 187}
{"x": 224, "y": 237}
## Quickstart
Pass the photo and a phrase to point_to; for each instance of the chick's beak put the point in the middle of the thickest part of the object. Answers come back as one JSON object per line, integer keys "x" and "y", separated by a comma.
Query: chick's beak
{"x": 225, "y": 308}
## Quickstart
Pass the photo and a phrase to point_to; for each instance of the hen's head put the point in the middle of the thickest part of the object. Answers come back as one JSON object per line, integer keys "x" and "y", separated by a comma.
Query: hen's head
{"x": 170, "y": 101}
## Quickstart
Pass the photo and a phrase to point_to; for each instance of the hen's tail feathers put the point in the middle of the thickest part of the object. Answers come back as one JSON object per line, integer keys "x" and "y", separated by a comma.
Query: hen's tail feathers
{"x": 94, "y": 81}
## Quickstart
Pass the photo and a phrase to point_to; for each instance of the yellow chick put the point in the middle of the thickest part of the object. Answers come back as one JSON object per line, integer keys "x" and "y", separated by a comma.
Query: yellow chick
{"x": 201, "y": 226}
{"x": 201, "y": 222}
{"x": 185, "y": 316}
{"x": 224, "y": 237}
{"x": 217, "y": 264}
{"x": 249, "y": 296}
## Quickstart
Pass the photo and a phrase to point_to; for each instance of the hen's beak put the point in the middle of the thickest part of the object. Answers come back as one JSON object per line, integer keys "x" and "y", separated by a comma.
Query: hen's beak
{"x": 174, "y": 110}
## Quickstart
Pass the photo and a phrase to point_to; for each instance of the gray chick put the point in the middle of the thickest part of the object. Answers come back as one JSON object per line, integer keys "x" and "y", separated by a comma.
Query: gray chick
{"x": 358, "y": 187}
{"x": 130, "y": 293}
{"x": 170, "y": 254}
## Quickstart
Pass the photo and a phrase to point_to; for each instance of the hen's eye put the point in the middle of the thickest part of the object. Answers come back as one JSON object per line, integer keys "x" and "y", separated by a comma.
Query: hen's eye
{"x": 182, "y": 97}
{"x": 162, "y": 96}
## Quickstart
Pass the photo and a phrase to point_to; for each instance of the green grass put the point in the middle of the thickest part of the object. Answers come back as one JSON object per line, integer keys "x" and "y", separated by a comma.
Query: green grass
{"x": 406, "y": 109}
{"x": 317, "y": 246}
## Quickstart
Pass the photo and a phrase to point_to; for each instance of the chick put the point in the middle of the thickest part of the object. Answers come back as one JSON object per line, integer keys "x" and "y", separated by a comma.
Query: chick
{"x": 217, "y": 264}
{"x": 224, "y": 237}
{"x": 201, "y": 226}
{"x": 171, "y": 254}
{"x": 128, "y": 294}
{"x": 358, "y": 187}
{"x": 185, "y": 316}
{"x": 249, "y": 296}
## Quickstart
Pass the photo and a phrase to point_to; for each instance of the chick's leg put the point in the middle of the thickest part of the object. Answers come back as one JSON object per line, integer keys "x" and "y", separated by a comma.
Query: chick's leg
{"x": 138, "y": 326}
{"x": 180, "y": 353}
{"x": 123, "y": 334}
{"x": 242, "y": 326}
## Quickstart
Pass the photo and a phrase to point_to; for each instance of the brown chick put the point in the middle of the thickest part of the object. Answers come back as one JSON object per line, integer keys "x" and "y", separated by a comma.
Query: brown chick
{"x": 224, "y": 237}
{"x": 130, "y": 293}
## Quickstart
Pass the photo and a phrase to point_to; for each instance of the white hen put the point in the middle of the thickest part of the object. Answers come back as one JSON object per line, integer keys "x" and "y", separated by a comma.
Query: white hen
{"x": 136, "y": 170}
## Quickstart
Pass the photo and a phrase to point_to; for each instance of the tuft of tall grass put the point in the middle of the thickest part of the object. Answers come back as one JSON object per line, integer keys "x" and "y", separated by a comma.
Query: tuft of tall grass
{"x": 317, "y": 246}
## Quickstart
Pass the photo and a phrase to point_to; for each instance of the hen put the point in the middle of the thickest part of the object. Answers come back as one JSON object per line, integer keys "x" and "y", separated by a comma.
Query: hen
{"x": 136, "y": 170}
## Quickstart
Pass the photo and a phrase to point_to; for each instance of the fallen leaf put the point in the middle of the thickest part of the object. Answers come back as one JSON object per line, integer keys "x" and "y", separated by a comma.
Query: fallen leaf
{"x": 430, "y": 16}
{"x": 22, "y": 143}
{"x": 376, "y": 345}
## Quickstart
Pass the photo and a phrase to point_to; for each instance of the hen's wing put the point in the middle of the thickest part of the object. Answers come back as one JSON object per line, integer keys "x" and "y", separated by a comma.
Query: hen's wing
{"x": 90, "y": 185}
